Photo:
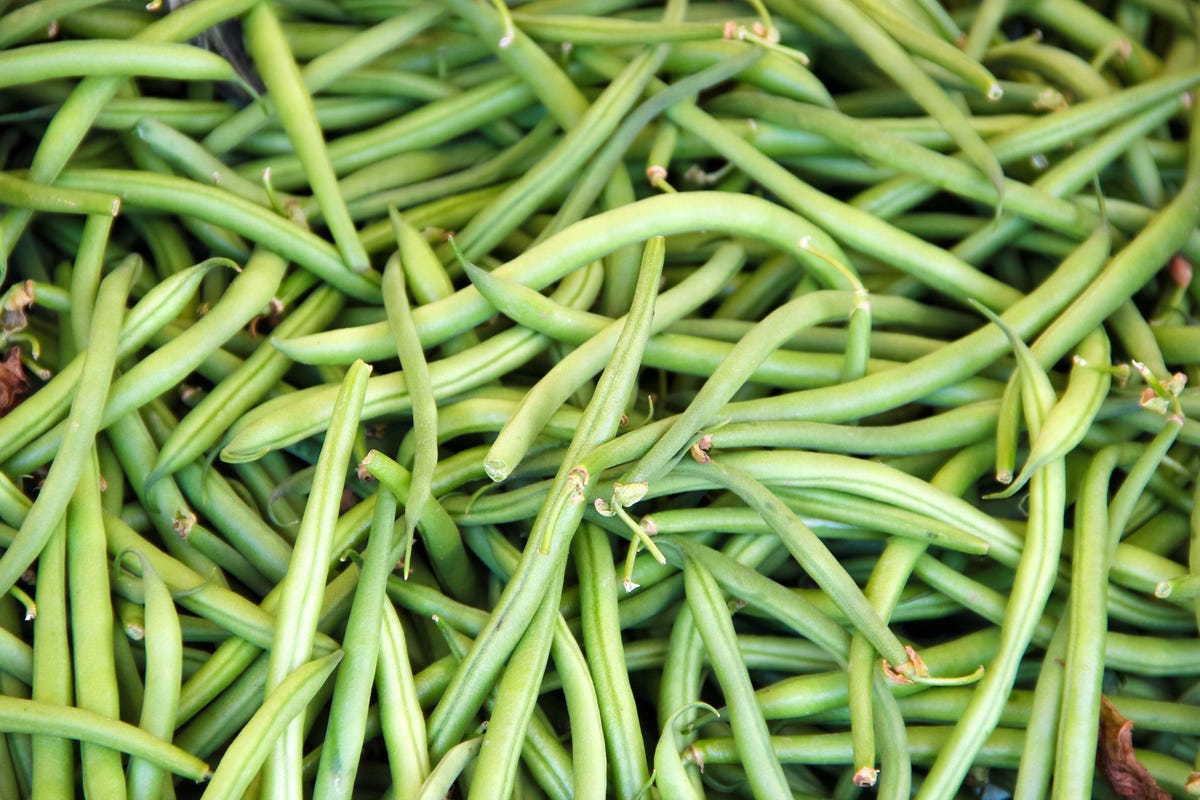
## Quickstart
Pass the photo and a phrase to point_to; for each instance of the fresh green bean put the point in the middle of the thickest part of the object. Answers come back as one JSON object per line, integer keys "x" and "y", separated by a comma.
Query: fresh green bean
{"x": 72, "y": 120}
{"x": 351, "y": 694}
{"x": 566, "y": 377}
{"x": 53, "y": 760}
{"x": 750, "y": 729}
{"x": 252, "y": 745}
{"x": 325, "y": 69}
{"x": 416, "y": 371}
{"x": 302, "y": 588}
{"x": 602, "y": 641}
{"x": 91, "y": 628}
{"x": 37, "y": 62}
{"x": 164, "y": 665}
{"x": 267, "y": 46}
{"x": 400, "y": 713}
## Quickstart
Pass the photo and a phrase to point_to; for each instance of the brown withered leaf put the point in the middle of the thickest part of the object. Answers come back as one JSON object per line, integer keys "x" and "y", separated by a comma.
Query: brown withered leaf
{"x": 1116, "y": 761}
{"x": 13, "y": 382}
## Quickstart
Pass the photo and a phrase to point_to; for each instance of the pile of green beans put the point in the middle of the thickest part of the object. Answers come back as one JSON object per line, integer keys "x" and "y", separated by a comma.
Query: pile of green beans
{"x": 408, "y": 399}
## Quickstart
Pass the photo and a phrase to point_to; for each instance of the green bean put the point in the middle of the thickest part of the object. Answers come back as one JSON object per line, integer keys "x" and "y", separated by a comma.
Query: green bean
{"x": 167, "y": 365}
{"x": 37, "y": 62}
{"x": 761, "y": 592}
{"x": 922, "y": 44}
{"x": 169, "y": 513}
{"x": 164, "y": 664}
{"x": 878, "y": 46}
{"x": 53, "y": 767}
{"x": 1001, "y": 747}
{"x": 939, "y": 170}
{"x": 774, "y": 72}
{"x": 400, "y": 713}
{"x": 303, "y": 586}
{"x": 1044, "y": 134}
{"x": 860, "y": 397}
{"x": 85, "y": 277}
{"x": 189, "y": 157}
{"x": 589, "y": 131}
{"x": 240, "y": 523}
{"x": 750, "y": 729}
{"x": 26, "y": 195}
{"x": 253, "y": 744}
{"x": 1068, "y": 421}
{"x": 442, "y": 777}
{"x": 669, "y": 774}
{"x": 91, "y": 628}
{"x": 809, "y": 551}
{"x": 516, "y": 50}
{"x": 1121, "y": 507}
{"x": 29, "y": 18}
{"x": 502, "y": 166}
{"x": 602, "y": 640}
{"x": 266, "y": 44}
{"x": 591, "y": 238}
{"x": 1084, "y": 656}
{"x": 351, "y": 694}
{"x": 775, "y": 328}
{"x": 416, "y": 372}
{"x": 515, "y": 696}
{"x": 84, "y": 419}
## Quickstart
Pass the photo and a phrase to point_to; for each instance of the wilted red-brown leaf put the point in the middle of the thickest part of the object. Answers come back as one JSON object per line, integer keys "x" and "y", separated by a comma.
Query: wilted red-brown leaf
{"x": 1116, "y": 761}
{"x": 13, "y": 382}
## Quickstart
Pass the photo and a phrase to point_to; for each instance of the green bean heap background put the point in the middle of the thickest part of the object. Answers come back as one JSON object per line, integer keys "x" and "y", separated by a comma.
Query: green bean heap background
{"x": 411, "y": 399}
